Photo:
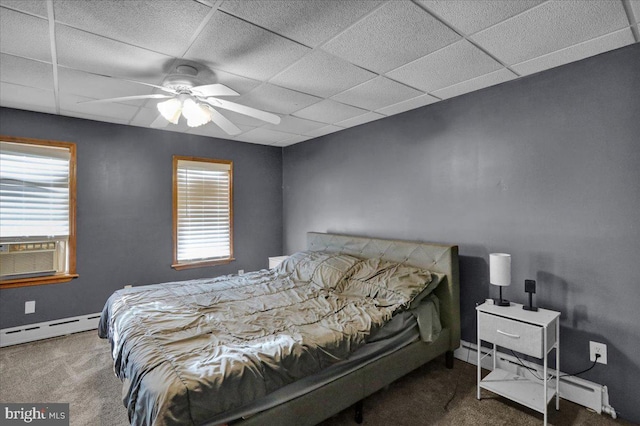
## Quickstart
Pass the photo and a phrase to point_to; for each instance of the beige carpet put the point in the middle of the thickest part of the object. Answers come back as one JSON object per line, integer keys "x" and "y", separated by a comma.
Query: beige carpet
{"x": 77, "y": 369}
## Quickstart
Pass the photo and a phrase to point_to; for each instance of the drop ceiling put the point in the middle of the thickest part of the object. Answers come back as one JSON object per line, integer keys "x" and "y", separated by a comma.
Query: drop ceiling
{"x": 322, "y": 66}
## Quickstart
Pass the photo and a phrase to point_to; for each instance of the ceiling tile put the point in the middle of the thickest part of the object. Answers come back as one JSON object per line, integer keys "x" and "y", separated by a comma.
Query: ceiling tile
{"x": 24, "y": 35}
{"x": 418, "y": 102}
{"x": 321, "y": 74}
{"x": 239, "y": 84}
{"x": 29, "y": 98}
{"x": 213, "y": 131}
{"x": 377, "y": 93}
{"x": 374, "y": 42}
{"x": 26, "y": 72}
{"x": 72, "y": 103}
{"x": 181, "y": 127}
{"x": 99, "y": 87}
{"x": 34, "y": 7}
{"x": 83, "y": 115}
{"x": 240, "y": 119}
{"x": 163, "y": 26}
{"x": 88, "y": 52}
{"x": 477, "y": 83}
{"x": 307, "y": 22}
{"x": 324, "y": 131}
{"x": 635, "y": 7}
{"x": 276, "y": 99}
{"x": 293, "y": 140}
{"x": 230, "y": 44}
{"x": 471, "y": 16}
{"x": 576, "y": 52}
{"x": 453, "y": 64}
{"x": 328, "y": 111}
{"x": 263, "y": 136}
{"x": 551, "y": 26}
{"x": 145, "y": 117}
{"x": 361, "y": 119}
{"x": 295, "y": 125}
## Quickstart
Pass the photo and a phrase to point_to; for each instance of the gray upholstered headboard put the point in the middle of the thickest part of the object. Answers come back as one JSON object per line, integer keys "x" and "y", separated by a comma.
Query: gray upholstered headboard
{"x": 434, "y": 257}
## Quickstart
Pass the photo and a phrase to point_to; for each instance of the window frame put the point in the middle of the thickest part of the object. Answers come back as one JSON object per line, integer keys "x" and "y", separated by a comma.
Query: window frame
{"x": 200, "y": 263}
{"x": 71, "y": 246}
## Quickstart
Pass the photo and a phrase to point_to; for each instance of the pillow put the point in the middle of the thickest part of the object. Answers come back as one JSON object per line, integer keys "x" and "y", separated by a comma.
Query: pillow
{"x": 390, "y": 283}
{"x": 320, "y": 268}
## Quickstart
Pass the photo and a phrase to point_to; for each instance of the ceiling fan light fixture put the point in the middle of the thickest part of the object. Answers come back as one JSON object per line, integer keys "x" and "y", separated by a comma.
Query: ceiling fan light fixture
{"x": 195, "y": 113}
{"x": 170, "y": 110}
{"x": 195, "y": 99}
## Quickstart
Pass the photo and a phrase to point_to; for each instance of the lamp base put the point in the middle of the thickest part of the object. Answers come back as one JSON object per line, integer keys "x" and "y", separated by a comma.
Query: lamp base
{"x": 501, "y": 302}
{"x": 530, "y": 308}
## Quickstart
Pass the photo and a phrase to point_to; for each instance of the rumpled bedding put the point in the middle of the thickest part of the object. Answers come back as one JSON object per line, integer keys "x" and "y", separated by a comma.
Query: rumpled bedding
{"x": 188, "y": 351}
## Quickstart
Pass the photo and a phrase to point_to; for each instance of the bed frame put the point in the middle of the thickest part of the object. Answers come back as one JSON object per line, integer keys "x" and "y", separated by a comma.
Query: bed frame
{"x": 324, "y": 402}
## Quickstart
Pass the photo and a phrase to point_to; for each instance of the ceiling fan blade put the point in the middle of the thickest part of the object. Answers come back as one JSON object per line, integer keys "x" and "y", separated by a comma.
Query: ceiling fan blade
{"x": 214, "y": 90}
{"x": 164, "y": 89}
{"x": 224, "y": 123}
{"x": 128, "y": 98}
{"x": 159, "y": 122}
{"x": 242, "y": 109}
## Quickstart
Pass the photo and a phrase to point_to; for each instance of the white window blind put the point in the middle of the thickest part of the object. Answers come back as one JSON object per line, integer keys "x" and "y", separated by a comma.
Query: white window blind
{"x": 203, "y": 210}
{"x": 34, "y": 191}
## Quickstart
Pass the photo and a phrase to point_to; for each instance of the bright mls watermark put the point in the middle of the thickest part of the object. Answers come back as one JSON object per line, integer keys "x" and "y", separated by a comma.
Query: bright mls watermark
{"x": 34, "y": 414}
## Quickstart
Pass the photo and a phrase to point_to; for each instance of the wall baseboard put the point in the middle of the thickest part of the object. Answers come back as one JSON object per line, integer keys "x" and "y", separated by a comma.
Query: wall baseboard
{"x": 579, "y": 391}
{"x": 45, "y": 330}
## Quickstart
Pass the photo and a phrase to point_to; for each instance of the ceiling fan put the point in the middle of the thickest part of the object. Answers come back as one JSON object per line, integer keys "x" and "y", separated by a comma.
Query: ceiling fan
{"x": 196, "y": 102}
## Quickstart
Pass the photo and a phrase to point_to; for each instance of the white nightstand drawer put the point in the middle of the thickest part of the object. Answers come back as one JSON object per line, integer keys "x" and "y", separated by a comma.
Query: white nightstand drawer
{"x": 519, "y": 336}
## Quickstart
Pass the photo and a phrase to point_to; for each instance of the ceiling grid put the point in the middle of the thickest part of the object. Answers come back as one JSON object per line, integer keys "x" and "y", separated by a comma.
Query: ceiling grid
{"x": 320, "y": 66}
{"x": 54, "y": 55}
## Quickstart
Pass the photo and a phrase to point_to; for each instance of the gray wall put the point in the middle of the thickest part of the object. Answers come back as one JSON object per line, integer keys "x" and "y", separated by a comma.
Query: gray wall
{"x": 124, "y": 210}
{"x": 546, "y": 168}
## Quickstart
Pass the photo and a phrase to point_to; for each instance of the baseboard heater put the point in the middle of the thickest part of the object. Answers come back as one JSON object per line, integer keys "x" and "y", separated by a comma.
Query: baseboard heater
{"x": 46, "y": 330}
{"x": 579, "y": 391}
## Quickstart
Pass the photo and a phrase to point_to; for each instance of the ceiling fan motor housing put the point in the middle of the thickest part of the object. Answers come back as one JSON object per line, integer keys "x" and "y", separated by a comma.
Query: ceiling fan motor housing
{"x": 183, "y": 79}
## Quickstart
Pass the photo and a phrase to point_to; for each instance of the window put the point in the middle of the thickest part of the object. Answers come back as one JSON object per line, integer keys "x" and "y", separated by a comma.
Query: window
{"x": 202, "y": 212}
{"x": 37, "y": 212}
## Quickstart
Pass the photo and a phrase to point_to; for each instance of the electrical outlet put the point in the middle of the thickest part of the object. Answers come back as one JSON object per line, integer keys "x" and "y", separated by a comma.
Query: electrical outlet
{"x": 598, "y": 348}
{"x": 127, "y": 286}
{"x": 240, "y": 271}
{"x": 30, "y": 307}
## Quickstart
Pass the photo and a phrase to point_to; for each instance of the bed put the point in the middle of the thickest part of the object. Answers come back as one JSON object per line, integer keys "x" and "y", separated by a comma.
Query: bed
{"x": 314, "y": 385}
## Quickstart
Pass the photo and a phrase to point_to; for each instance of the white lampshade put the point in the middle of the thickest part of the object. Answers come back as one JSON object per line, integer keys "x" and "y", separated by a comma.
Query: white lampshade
{"x": 195, "y": 113}
{"x": 170, "y": 110}
{"x": 500, "y": 269}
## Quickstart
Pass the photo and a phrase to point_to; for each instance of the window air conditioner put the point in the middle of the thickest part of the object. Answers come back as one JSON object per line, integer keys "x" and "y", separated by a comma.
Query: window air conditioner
{"x": 28, "y": 259}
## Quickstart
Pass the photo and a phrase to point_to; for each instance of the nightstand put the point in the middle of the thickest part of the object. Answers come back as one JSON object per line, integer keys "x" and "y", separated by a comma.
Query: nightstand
{"x": 526, "y": 332}
{"x": 276, "y": 260}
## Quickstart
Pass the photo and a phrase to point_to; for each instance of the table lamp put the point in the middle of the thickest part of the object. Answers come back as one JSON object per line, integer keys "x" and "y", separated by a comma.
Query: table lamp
{"x": 500, "y": 274}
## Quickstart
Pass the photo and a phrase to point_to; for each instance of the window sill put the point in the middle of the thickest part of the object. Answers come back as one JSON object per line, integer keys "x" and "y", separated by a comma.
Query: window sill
{"x": 24, "y": 282}
{"x": 201, "y": 264}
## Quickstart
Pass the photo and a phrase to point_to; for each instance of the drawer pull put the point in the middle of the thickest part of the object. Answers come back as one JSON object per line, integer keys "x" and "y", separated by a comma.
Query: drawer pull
{"x": 515, "y": 336}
